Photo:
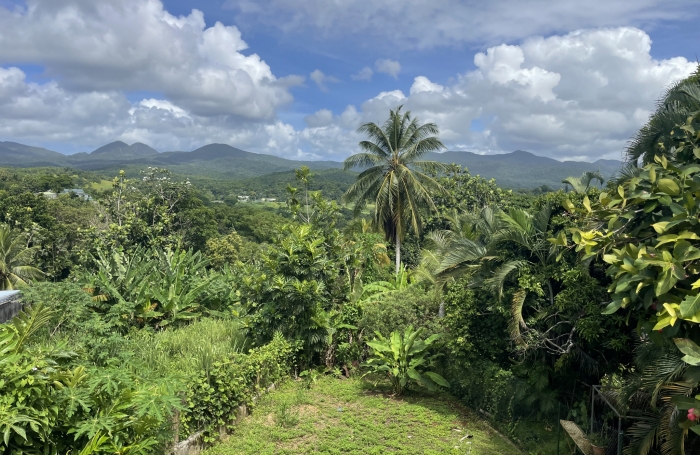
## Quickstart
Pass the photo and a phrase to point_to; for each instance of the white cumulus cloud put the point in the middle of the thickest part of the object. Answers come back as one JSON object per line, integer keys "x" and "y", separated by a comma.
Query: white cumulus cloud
{"x": 136, "y": 45}
{"x": 388, "y": 66}
{"x": 365, "y": 74}
{"x": 322, "y": 79}
{"x": 577, "y": 96}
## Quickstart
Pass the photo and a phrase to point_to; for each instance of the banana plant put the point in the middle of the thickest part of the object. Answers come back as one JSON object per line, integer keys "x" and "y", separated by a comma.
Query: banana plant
{"x": 176, "y": 293}
{"x": 405, "y": 359}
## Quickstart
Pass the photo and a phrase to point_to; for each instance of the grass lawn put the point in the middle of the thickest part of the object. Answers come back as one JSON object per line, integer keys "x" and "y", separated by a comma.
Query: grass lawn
{"x": 102, "y": 185}
{"x": 351, "y": 416}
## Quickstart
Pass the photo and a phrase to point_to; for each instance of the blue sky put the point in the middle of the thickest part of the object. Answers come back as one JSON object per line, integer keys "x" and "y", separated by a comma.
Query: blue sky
{"x": 552, "y": 78}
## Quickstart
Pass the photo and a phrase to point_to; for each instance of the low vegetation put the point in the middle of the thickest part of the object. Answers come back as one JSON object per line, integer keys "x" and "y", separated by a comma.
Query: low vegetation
{"x": 356, "y": 417}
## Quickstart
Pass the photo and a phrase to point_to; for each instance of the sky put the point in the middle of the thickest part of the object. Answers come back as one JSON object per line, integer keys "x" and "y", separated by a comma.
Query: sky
{"x": 570, "y": 80}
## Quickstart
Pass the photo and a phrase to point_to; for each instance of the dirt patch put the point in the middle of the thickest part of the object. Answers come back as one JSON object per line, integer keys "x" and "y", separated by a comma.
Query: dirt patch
{"x": 308, "y": 410}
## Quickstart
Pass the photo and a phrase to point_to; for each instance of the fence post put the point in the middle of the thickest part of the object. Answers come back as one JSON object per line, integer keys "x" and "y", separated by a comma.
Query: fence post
{"x": 620, "y": 440}
{"x": 590, "y": 429}
{"x": 558, "y": 427}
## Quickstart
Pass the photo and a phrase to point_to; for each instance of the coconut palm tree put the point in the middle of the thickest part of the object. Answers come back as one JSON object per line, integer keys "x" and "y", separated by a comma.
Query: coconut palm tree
{"x": 680, "y": 100}
{"x": 583, "y": 183}
{"x": 394, "y": 175}
{"x": 15, "y": 257}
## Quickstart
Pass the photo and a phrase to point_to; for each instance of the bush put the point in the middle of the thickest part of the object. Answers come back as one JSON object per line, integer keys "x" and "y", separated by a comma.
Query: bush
{"x": 74, "y": 322}
{"x": 473, "y": 319}
{"x": 47, "y": 406}
{"x": 214, "y": 396}
{"x": 483, "y": 385}
{"x": 399, "y": 310}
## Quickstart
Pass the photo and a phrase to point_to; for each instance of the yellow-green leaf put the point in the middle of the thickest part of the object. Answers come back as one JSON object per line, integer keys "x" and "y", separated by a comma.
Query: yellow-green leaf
{"x": 660, "y": 227}
{"x": 587, "y": 204}
{"x": 690, "y": 306}
{"x": 669, "y": 186}
{"x": 568, "y": 205}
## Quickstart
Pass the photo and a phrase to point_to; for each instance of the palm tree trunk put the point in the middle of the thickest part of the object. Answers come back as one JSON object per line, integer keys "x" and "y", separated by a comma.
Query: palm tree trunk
{"x": 398, "y": 253}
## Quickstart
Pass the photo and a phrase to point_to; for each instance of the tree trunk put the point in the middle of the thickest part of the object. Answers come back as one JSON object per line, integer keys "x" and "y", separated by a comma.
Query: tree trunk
{"x": 398, "y": 253}
{"x": 441, "y": 310}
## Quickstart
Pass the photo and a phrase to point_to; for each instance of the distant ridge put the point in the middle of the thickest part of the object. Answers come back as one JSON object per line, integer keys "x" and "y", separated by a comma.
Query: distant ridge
{"x": 521, "y": 169}
{"x": 518, "y": 169}
{"x": 14, "y": 154}
{"x": 119, "y": 149}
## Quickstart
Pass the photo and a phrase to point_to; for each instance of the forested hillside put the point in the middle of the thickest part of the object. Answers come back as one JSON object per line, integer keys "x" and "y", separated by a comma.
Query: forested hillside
{"x": 516, "y": 170}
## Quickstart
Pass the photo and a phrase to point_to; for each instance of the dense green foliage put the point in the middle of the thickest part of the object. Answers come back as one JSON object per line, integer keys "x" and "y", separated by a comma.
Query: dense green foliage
{"x": 163, "y": 311}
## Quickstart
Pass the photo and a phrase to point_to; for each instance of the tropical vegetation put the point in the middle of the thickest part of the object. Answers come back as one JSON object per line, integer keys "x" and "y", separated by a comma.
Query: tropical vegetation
{"x": 155, "y": 314}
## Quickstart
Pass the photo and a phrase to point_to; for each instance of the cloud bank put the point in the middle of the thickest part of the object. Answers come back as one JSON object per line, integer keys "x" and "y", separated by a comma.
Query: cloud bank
{"x": 129, "y": 70}
{"x": 417, "y": 24}
{"x": 579, "y": 96}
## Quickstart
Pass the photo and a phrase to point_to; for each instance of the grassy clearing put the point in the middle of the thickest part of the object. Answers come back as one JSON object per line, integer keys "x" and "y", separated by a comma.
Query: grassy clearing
{"x": 352, "y": 417}
{"x": 101, "y": 185}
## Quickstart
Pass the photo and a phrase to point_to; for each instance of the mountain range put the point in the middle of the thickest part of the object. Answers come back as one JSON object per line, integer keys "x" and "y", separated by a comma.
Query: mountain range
{"x": 517, "y": 169}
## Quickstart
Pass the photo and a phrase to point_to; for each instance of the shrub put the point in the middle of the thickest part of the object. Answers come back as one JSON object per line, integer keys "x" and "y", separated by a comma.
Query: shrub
{"x": 472, "y": 319}
{"x": 74, "y": 322}
{"x": 400, "y": 309}
{"x": 224, "y": 250}
{"x": 483, "y": 385}
{"x": 48, "y": 407}
{"x": 213, "y": 397}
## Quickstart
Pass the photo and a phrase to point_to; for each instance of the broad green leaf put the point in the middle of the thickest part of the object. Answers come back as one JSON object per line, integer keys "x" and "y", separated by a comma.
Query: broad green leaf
{"x": 688, "y": 235}
{"x": 413, "y": 374}
{"x": 660, "y": 227}
{"x": 587, "y": 204}
{"x": 684, "y": 251}
{"x": 433, "y": 338}
{"x": 661, "y": 160}
{"x": 437, "y": 379}
{"x": 691, "y": 360}
{"x": 687, "y": 347}
{"x": 690, "y": 169}
{"x": 666, "y": 239}
{"x": 669, "y": 186}
{"x": 378, "y": 346}
{"x": 684, "y": 403}
{"x": 690, "y": 306}
{"x": 396, "y": 344}
{"x": 612, "y": 307}
{"x": 665, "y": 282}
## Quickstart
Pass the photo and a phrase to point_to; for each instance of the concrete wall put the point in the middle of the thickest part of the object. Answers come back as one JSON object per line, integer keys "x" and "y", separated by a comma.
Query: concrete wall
{"x": 9, "y": 309}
